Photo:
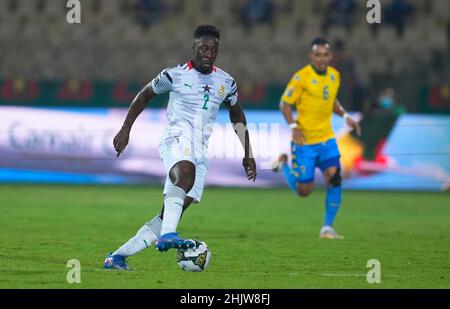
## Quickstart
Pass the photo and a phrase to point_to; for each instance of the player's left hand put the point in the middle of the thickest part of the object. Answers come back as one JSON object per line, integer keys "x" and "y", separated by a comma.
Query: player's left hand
{"x": 355, "y": 125}
{"x": 250, "y": 168}
{"x": 121, "y": 140}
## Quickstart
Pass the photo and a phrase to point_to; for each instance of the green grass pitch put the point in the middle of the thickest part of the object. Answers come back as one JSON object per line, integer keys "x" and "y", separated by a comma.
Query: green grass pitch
{"x": 258, "y": 238}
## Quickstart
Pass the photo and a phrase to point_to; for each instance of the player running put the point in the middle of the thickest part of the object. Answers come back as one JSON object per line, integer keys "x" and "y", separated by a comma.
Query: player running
{"x": 313, "y": 90}
{"x": 196, "y": 88}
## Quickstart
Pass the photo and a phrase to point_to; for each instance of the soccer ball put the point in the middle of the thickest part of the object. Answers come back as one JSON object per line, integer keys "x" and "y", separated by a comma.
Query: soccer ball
{"x": 194, "y": 259}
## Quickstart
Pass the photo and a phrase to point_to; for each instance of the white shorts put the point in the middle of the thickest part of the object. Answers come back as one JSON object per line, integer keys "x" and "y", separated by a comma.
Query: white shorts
{"x": 175, "y": 149}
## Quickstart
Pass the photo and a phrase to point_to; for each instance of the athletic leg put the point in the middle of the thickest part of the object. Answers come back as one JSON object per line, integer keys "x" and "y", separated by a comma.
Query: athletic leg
{"x": 304, "y": 163}
{"x": 182, "y": 177}
{"x": 333, "y": 200}
{"x": 331, "y": 169}
{"x": 299, "y": 177}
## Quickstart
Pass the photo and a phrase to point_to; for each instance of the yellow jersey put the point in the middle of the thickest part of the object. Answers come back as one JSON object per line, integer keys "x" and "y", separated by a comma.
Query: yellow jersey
{"x": 313, "y": 95}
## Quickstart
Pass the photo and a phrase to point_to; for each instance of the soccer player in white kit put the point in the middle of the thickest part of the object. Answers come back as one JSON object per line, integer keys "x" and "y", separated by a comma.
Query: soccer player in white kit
{"x": 196, "y": 90}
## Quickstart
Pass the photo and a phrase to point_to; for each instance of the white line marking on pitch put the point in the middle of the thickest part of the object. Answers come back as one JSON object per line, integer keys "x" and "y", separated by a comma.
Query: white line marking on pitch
{"x": 355, "y": 275}
{"x": 344, "y": 275}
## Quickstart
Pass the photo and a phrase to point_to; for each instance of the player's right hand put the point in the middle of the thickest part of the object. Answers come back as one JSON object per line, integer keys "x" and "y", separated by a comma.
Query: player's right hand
{"x": 120, "y": 141}
{"x": 297, "y": 136}
{"x": 250, "y": 168}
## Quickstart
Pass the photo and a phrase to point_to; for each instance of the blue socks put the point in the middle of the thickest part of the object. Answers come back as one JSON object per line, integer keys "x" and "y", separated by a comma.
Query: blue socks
{"x": 332, "y": 204}
{"x": 290, "y": 177}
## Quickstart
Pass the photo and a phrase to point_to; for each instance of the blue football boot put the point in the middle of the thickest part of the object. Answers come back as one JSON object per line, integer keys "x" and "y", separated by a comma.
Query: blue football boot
{"x": 172, "y": 240}
{"x": 115, "y": 262}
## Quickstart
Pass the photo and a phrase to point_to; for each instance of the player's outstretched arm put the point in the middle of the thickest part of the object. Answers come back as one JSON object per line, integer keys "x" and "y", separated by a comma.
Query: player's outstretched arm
{"x": 339, "y": 110}
{"x": 137, "y": 106}
{"x": 237, "y": 117}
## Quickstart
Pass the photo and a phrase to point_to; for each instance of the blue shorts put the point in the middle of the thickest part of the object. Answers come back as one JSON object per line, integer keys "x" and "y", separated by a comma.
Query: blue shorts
{"x": 305, "y": 159}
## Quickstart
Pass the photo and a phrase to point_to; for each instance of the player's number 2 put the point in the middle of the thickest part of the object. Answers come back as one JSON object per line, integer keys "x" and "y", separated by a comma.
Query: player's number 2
{"x": 326, "y": 94}
{"x": 206, "y": 98}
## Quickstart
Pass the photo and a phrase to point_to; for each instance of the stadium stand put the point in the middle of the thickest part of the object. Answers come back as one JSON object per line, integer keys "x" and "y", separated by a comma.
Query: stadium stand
{"x": 111, "y": 43}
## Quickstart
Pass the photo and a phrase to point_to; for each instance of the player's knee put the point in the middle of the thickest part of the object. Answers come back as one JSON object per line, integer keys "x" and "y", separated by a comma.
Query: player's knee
{"x": 183, "y": 175}
{"x": 336, "y": 179}
{"x": 185, "y": 182}
{"x": 304, "y": 191}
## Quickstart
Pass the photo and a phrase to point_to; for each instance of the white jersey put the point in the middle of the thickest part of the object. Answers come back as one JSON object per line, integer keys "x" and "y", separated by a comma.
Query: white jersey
{"x": 194, "y": 100}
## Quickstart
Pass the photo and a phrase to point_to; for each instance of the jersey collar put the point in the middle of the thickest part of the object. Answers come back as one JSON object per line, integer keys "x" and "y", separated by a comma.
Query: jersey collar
{"x": 190, "y": 66}
{"x": 317, "y": 71}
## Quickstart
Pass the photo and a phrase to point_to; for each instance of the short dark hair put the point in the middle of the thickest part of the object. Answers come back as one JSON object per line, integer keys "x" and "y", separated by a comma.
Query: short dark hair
{"x": 209, "y": 30}
{"x": 320, "y": 41}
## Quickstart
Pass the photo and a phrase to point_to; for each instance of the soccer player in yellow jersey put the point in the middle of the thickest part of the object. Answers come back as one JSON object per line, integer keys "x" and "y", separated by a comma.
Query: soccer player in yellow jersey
{"x": 313, "y": 91}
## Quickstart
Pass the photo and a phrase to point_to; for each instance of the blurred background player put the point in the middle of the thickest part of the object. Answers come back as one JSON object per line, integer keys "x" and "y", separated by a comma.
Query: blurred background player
{"x": 313, "y": 90}
{"x": 197, "y": 88}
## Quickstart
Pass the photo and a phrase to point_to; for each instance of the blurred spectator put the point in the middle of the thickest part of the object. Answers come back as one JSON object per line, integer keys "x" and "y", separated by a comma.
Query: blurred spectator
{"x": 387, "y": 103}
{"x": 397, "y": 13}
{"x": 382, "y": 109}
{"x": 257, "y": 11}
{"x": 339, "y": 13}
{"x": 148, "y": 12}
{"x": 351, "y": 92}
{"x": 379, "y": 118}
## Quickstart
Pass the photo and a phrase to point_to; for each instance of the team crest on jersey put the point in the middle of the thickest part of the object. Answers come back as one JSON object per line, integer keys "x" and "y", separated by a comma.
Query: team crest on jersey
{"x": 314, "y": 81}
{"x": 332, "y": 77}
{"x": 302, "y": 169}
{"x": 297, "y": 78}
{"x": 289, "y": 92}
{"x": 221, "y": 91}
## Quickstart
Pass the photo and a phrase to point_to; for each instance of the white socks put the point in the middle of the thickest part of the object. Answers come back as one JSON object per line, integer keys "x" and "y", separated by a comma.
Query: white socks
{"x": 146, "y": 235}
{"x": 173, "y": 208}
